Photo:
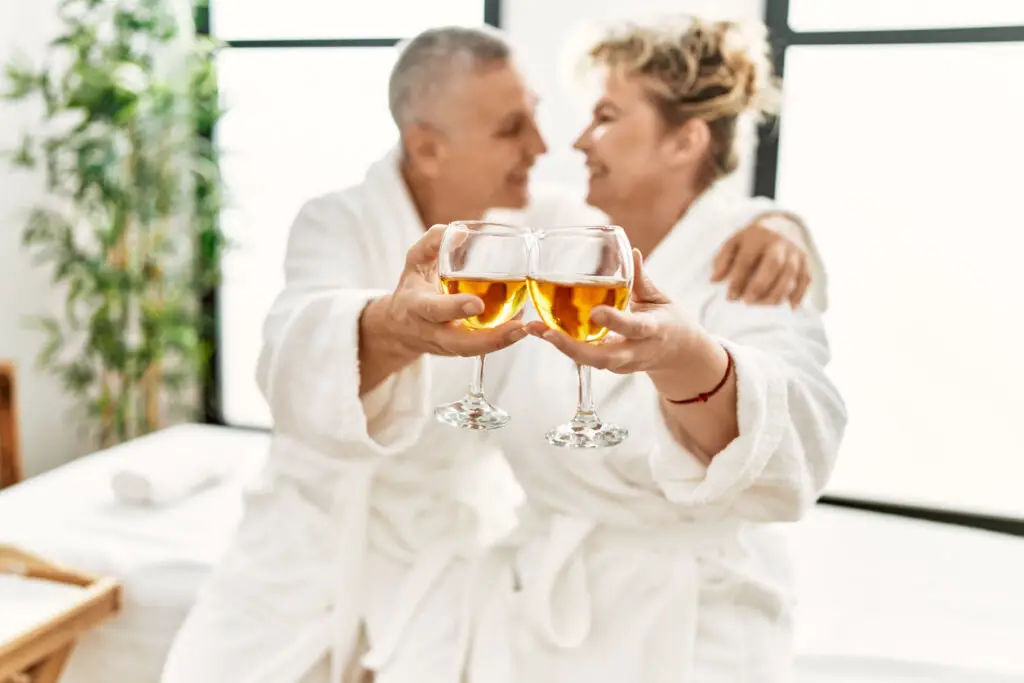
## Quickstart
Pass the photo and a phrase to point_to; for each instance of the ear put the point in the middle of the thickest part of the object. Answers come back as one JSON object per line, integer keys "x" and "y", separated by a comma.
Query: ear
{"x": 689, "y": 142}
{"x": 424, "y": 147}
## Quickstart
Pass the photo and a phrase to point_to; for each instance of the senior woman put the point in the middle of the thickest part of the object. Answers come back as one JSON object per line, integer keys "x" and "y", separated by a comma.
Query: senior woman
{"x": 653, "y": 561}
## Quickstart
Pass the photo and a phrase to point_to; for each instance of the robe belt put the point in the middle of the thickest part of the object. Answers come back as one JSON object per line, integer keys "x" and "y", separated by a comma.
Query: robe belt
{"x": 556, "y": 600}
{"x": 337, "y": 633}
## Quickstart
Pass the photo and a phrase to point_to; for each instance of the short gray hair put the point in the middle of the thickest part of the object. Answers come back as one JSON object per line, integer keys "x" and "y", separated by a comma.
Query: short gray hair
{"x": 430, "y": 62}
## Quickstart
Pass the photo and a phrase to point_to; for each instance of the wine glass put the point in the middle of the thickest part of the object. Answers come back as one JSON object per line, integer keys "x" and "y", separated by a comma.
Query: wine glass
{"x": 573, "y": 270}
{"x": 488, "y": 260}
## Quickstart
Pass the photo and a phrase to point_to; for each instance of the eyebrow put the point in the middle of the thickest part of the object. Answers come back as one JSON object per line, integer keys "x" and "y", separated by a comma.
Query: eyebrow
{"x": 516, "y": 115}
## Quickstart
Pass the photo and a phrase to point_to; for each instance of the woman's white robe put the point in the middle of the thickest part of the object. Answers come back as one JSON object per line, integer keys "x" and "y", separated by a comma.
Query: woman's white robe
{"x": 639, "y": 563}
{"x": 365, "y": 529}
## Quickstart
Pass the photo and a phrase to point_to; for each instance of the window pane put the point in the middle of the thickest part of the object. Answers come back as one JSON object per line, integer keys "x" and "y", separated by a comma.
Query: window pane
{"x": 267, "y": 19}
{"x": 300, "y": 122}
{"x": 854, "y": 15}
{"x": 912, "y": 188}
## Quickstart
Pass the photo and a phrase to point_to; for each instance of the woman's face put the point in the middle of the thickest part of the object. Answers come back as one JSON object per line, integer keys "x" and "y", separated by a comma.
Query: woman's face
{"x": 629, "y": 155}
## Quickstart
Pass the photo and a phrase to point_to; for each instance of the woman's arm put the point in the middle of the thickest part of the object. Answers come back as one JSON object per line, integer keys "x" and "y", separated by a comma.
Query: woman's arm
{"x": 769, "y": 435}
{"x": 698, "y": 395}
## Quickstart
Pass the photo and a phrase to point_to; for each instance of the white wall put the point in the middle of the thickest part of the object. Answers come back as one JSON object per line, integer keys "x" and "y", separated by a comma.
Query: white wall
{"x": 540, "y": 30}
{"x": 47, "y": 436}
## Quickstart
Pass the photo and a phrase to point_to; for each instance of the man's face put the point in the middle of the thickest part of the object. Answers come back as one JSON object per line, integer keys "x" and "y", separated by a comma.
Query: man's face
{"x": 489, "y": 139}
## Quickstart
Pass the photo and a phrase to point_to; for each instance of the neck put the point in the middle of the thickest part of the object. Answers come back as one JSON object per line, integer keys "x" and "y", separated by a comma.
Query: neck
{"x": 648, "y": 222}
{"x": 433, "y": 205}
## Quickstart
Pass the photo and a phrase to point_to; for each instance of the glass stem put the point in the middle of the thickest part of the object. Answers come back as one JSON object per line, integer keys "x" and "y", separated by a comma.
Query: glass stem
{"x": 584, "y": 401}
{"x": 476, "y": 386}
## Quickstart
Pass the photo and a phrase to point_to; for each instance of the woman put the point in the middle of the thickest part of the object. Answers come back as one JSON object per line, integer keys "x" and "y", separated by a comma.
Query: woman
{"x": 652, "y": 561}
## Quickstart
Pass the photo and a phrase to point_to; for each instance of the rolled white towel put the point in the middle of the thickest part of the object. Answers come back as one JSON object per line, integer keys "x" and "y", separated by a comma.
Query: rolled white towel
{"x": 162, "y": 482}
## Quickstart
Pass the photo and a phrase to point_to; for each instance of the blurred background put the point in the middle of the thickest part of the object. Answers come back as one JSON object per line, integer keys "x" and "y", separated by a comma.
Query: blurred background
{"x": 901, "y": 143}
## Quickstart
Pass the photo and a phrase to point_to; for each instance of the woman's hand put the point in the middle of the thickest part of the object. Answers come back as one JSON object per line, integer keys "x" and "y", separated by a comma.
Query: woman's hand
{"x": 681, "y": 359}
{"x": 653, "y": 337}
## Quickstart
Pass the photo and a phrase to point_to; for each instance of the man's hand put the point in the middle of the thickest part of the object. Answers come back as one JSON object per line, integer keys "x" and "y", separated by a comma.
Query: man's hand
{"x": 424, "y": 320}
{"x": 417, "y": 318}
{"x": 764, "y": 266}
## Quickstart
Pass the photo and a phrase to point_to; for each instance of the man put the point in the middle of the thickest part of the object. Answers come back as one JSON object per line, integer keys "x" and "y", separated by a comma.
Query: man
{"x": 356, "y": 551}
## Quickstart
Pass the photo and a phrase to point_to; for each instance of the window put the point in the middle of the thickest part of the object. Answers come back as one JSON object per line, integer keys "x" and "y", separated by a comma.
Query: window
{"x": 903, "y": 151}
{"x": 859, "y": 15}
{"x": 305, "y": 89}
{"x": 328, "y": 19}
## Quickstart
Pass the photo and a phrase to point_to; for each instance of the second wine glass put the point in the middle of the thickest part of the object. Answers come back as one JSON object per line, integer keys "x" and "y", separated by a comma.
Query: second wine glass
{"x": 488, "y": 260}
{"x": 572, "y": 271}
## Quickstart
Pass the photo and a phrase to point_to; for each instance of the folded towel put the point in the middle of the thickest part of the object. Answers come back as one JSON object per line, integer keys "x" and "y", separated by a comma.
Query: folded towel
{"x": 155, "y": 483}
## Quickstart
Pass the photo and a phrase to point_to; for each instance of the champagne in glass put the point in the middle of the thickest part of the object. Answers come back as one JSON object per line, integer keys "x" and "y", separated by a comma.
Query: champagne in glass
{"x": 503, "y": 297}
{"x": 489, "y": 261}
{"x": 572, "y": 271}
{"x": 567, "y": 305}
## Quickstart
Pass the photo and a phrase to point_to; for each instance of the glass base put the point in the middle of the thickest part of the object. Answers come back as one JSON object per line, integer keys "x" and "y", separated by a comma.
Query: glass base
{"x": 587, "y": 431}
{"x": 471, "y": 412}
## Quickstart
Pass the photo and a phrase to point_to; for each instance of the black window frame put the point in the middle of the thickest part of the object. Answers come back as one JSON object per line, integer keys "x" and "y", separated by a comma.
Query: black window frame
{"x": 212, "y": 396}
{"x": 766, "y": 178}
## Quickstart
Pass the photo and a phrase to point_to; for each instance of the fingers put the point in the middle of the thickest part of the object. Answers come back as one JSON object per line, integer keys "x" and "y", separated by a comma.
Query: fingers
{"x": 444, "y": 308}
{"x": 644, "y": 290}
{"x": 743, "y": 270}
{"x": 725, "y": 258}
{"x": 612, "y": 356}
{"x": 780, "y": 290}
{"x": 425, "y": 251}
{"x": 776, "y": 264}
{"x": 628, "y": 325}
{"x": 461, "y": 342}
{"x": 803, "y": 282}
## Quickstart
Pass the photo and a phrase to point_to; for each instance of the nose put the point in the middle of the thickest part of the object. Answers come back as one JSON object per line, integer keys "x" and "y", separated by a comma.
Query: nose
{"x": 535, "y": 143}
{"x": 582, "y": 143}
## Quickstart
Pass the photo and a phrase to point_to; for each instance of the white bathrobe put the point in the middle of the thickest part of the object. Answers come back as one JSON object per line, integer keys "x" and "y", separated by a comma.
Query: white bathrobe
{"x": 365, "y": 527}
{"x": 638, "y": 563}
{"x": 368, "y": 508}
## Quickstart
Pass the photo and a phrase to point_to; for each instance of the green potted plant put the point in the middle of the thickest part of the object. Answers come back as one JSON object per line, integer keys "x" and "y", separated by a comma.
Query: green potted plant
{"x": 129, "y": 227}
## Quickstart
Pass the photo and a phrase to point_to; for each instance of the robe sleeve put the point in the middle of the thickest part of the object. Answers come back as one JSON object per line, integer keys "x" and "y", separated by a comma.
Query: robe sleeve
{"x": 791, "y": 420}
{"x": 308, "y": 367}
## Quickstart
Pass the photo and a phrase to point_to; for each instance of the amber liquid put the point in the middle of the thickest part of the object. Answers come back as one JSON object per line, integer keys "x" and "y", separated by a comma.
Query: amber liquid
{"x": 566, "y": 304}
{"x": 503, "y": 298}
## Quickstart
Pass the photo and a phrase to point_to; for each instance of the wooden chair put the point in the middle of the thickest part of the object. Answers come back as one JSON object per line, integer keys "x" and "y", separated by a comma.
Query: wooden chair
{"x": 11, "y": 470}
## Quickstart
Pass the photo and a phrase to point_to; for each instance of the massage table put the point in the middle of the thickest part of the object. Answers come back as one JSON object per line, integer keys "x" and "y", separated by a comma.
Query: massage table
{"x": 882, "y": 599}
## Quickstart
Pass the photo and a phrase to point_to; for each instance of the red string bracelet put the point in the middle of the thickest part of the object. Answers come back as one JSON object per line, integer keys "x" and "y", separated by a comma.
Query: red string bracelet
{"x": 703, "y": 398}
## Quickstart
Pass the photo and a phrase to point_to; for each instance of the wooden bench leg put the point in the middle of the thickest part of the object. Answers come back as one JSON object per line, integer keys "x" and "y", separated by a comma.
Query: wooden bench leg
{"x": 50, "y": 669}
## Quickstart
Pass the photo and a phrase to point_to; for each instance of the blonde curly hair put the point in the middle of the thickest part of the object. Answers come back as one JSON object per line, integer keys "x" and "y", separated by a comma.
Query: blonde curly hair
{"x": 693, "y": 68}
